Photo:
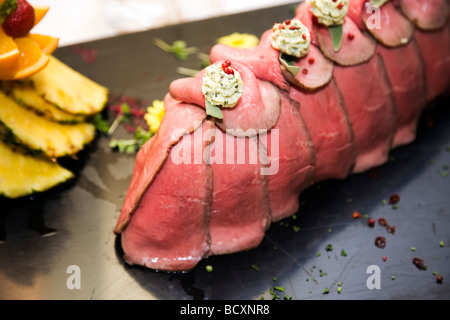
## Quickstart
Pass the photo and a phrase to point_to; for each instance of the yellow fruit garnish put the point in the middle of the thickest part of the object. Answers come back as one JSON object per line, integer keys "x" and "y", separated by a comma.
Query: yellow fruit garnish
{"x": 239, "y": 40}
{"x": 154, "y": 115}
{"x": 9, "y": 53}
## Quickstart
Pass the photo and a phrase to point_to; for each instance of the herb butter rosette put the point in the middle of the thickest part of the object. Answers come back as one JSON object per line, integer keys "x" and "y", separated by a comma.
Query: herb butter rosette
{"x": 222, "y": 87}
{"x": 329, "y": 12}
{"x": 291, "y": 37}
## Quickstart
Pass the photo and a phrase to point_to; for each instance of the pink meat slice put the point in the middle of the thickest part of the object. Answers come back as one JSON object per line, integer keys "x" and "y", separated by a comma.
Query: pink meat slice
{"x": 240, "y": 212}
{"x": 393, "y": 30}
{"x": 357, "y": 46}
{"x": 291, "y": 160}
{"x": 251, "y": 113}
{"x": 435, "y": 52}
{"x": 406, "y": 73}
{"x": 368, "y": 98}
{"x": 262, "y": 59}
{"x": 426, "y": 14}
{"x": 315, "y": 70}
{"x": 169, "y": 228}
{"x": 152, "y": 156}
{"x": 356, "y": 9}
{"x": 328, "y": 123}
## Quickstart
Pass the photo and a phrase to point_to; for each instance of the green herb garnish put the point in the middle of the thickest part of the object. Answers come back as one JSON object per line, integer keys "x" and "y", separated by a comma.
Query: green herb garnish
{"x": 337, "y": 33}
{"x": 131, "y": 145}
{"x": 288, "y": 61}
{"x": 178, "y": 48}
{"x": 212, "y": 110}
{"x": 378, "y": 3}
{"x": 100, "y": 123}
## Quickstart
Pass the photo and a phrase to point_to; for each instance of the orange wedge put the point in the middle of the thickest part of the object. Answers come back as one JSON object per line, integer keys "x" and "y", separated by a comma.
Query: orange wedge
{"x": 9, "y": 53}
{"x": 39, "y": 13}
{"x": 30, "y": 61}
{"x": 46, "y": 43}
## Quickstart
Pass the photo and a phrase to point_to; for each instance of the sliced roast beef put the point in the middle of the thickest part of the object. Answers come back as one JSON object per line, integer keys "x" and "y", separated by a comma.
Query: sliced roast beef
{"x": 250, "y": 114}
{"x": 315, "y": 70}
{"x": 406, "y": 73}
{"x": 368, "y": 98}
{"x": 262, "y": 60}
{"x": 291, "y": 160}
{"x": 426, "y": 14}
{"x": 179, "y": 118}
{"x": 356, "y": 9}
{"x": 435, "y": 52}
{"x": 327, "y": 121}
{"x": 169, "y": 228}
{"x": 240, "y": 212}
{"x": 357, "y": 46}
{"x": 390, "y": 27}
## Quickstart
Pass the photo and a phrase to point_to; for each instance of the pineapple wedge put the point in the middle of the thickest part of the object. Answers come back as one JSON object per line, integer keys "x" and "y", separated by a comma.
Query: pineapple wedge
{"x": 26, "y": 96}
{"x": 38, "y": 133}
{"x": 68, "y": 89}
{"x": 22, "y": 174}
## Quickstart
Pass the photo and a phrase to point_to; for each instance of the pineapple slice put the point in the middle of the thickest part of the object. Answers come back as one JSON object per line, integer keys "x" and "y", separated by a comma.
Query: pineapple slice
{"x": 68, "y": 89}
{"x": 38, "y": 133}
{"x": 26, "y": 96}
{"x": 22, "y": 174}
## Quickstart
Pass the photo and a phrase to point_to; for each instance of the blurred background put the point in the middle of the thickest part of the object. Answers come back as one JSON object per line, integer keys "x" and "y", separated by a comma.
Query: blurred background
{"x": 85, "y": 20}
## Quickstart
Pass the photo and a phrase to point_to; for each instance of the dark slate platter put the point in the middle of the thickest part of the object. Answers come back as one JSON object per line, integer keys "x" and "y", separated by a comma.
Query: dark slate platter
{"x": 43, "y": 235}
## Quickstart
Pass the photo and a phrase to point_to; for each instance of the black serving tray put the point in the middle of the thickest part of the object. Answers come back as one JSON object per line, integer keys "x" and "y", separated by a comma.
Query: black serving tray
{"x": 43, "y": 235}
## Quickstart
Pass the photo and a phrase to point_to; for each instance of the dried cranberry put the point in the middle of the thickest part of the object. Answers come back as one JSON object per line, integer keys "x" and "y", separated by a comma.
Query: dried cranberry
{"x": 311, "y": 60}
{"x": 380, "y": 242}
{"x": 371, "y": 222}
{"x": 394, "y": 198}
{"x": 419, "y": 263}
{"x": 382, "y": 222}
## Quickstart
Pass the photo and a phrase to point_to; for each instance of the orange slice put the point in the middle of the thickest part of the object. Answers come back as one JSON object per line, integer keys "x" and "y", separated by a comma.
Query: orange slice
{"x": 30, "y": 61}
{"x": 9, "y": 53}
{"x": 46, "y": 43}
{"x": 39, "y": 13}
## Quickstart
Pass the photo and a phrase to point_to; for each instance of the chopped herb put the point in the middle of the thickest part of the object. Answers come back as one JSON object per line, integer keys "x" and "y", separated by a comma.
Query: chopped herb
{"x": 326, "y": 291}
{"x": 383, "y": 201}
{"x": 393, "y": 278}
{"x": 329, "y": 247}
{"x": 275, "y": 278}
{"x": 209, "y": 268}
{"x": 343, "y": 253}
{"x": 318, "y": 254}
{"x": 339, "y": 290}
{"x": 413, "y": 249}
{"x": 278, "y": 288}
{"x": 255, "y": 267}
{"x": 441, "y": 244}
{"x": 296, "y": 228}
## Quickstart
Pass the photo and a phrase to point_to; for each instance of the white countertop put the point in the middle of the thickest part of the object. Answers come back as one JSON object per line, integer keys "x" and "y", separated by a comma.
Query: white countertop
{"x": 85, "y": 20}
